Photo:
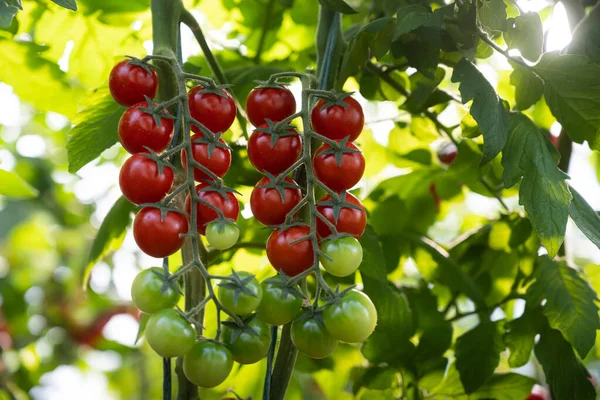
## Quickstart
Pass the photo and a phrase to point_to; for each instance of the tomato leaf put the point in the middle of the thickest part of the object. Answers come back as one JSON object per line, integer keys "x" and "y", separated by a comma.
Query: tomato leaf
{"x": 492, "y": 14}
{"x": 12, "y": 185}
{"x": 338, "y": 5}
{"x": 505, "y": 387}
{"x": 8, "y": 9}
{"x": 586, "y": 37}
{"x": 585, "y": 217}
{"x": 142, "y": 327}
{"x": 487, "y": 109}
{"x": 520, "y": 337}
{"x": 68, "y": 4}
{"x": 543, "y": 192}
{"x": 526, "y": 34}
{"x": 95, "y": 129}
{"x": 413, "y": 16}
{"x": 529, "y": 88}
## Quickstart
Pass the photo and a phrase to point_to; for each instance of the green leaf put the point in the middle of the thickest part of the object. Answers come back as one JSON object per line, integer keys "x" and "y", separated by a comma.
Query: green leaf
{"x": 12, "y": 185}
{"x": 526, "y": 34}
{"x": 68, "y": 4}
{"x": 543, "y": 191}
{"x": 413, "y": 16}
{"x": 95, "y": 129}
{"x": 572, "y": 91}
{"x": 142, "y": 328}
{"x": 478, "y": 354}
{"x": 110, "y": 235}
{"x": 564, "y": 372}
{"x": 585, "y": 218}
{"x": 487, "y": 109}
{"x": 520, "y": 337}
{"x": 505, "y": 387}
{"x": 492, "y": 14}
{"x": 8, "y": 9}
{"x": 338, "y": 5}
{"x": 586, "y": 36}
{"x": 529, "y": 88}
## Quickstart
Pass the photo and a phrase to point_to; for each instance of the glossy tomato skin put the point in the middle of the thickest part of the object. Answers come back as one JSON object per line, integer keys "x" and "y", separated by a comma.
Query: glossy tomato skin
{"x": 273, "y": 159}
{"x": 150, "y": 292}
{"x": 346, "y": 255}
{"x": 447, "y": 154}
{"x": 350, "y": 220}
{"x": 169, "y": 334}
{"x": 129, "y": 84}
{"x": 337, "y": 122}
{"x": 138, "y": 130}
{"x": 222, "y": 237}
{"x": 205, "y": 214}
{"x": 311, "y": 338}
{"x": 277, "y": 306}
{"x": 140, "y": 181}
{"x": 207, "y": 364}
{"x": 245, "y": 303}
{"x": 339, "y": 177}
{"x": 215, "y": 112}
{"x": 267, "y": 205}
{"x": 292, "y": 259}
{"x": 159, "y": 237}
{"x": 248, "y": 348}
{"x": 218, "y": 162}
{"x": 352, "y": 319}
{"x": 271, "y": 103}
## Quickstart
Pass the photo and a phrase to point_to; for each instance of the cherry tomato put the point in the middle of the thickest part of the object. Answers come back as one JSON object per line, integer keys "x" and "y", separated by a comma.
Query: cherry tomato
{"x": 169, "y": 334}
{"x": 215, "y": 111}
{"x": 447, "y": 154}
{"x": 208, "y": 364}
{"x": 278, "y": 305}
{"x": 274, "y": 103}
{"x": 140, "y": 181}
{"x": 292, "y": 259}
{"x": 205, "y": 214}
{"x": 311, "y": 338}
{"x": 151, "y": 292}
{"x": 343, "y": 176}
{"x": 350, "y": 220}
{"x": 244, "y": 303}
{"x": 267, "y": 205}
{"x": 248, "y": 348}
{"x": 273, "y": 159}
{"x": 346, "y": 255}
{"x": 129, "y": 83}
{"x": 337, "y": 122}
{"x": 352, "y": 318}
{"x": 535, "y": 396}
{"x": 159, "y": 237}
{"x": 222, "y": 236}
{"x": 218, "y": 162}
{"x": 138, "y": 130}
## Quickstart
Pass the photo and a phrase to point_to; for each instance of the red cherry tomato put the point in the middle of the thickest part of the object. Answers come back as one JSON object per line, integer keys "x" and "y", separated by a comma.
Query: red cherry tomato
{"x": 337, "y": 122}
{"x": 267, "y": 205}
{"x": 138, "y": 130}
{"x": 214, "y": 111}
{"x": 292, "y": 259}
{"x": 339, "y": 177}
{"x": 271, "y": 103}
{"x": 129, "y": 83}
{"x": 159, "y": 237}
{"x": 218, "y": 162}
{"x": 350, "y": 220}
{"x": 205, "y": 214}
{"x": 447, "y": 154}
{"x": 140, "y": 181}
{"x": 273, "y": 159}
{"x": 534, "y": 396}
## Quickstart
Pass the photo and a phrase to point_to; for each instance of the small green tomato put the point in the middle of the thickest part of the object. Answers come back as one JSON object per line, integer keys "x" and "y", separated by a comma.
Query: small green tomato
{"x": 222, "y": 236}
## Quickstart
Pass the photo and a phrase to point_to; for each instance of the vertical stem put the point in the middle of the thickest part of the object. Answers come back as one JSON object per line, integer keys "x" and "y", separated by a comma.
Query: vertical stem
{"x": 270, "y": 356}
{"x": 265, "y": 30}
{"x": 284, "y": 365}
{"x": 166, "y": 379}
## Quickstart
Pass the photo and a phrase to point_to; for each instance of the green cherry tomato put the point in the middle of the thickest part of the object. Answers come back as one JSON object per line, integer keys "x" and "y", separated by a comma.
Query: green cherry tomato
{"x": 151, "y": 292}
{"x": 346, "y": 255}
{"x": 352, "y": 319}
{"x": 311, "y": 338}
{"x": 248, "y": 348}
{"x": 208, "y": 364}
{"x": 169, "y": 334}
{"x": 278, "y": 305}
{"x": 222, "y": 236}
{"x": 245, "y": 303}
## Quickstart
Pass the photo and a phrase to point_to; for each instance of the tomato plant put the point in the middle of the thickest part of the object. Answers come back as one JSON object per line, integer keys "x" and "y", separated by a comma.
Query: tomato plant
{"x": 159, "y": 236}
{"x": 339, "y": 170}
{"x": 311, "y": 338}
{"x": 268, "y": 205}
{"x": 211, "y": 201}
{"x": 342, "y": 257}
{"x": 338, "y": 119}
{"x": 352, "y": 318}
{"x": 214, "y": 156}
{"x": 250, "y": 343}
{"x": 274, "y": 103}
{"x": 240, "y": 293}
{"x": 292, "y": 258}
{"x": 152, "y": 292}
{"x": 142, "y": 181}
{"x": 274, "y": 152}
{"x": 222, "y": 236}
{"x": 139, "y": 131}
{"x": 279, "y": 304}
{"x": 212, "y": 107}
{"x": 207, "y": 364}
{"x": 130, "y": 83}
{"x": 169, "y": 334}
{"x": 352, "y": 217}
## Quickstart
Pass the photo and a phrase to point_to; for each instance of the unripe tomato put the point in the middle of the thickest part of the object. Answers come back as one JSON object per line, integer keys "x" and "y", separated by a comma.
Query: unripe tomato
{"x": 138, "y": 130}
{"x": 274, "y": 103}
{"x": 222, "y": 236}
{"x": 129, "y": 83}
{"x": 247, "y": 348}
{"x": 218, "y": 162}
{"x": 337, "y": 122}
{"x": 140, "y": 181}
{"x": 216, "y": 112}
{"x": 267, "y": 205}
{"x": 292, "y": 259}
{"x": 346, "y": 255}
{"x": 352, "y": 319}
{"x": 205, "y": 214}
{"x": 273, "y": 159}
{"x": 343, "y": 176}
{"x": 244, "y": 303}
{"x": 156, "y": 236}
{"x": 169, "y": 334}
{"x": 311, "y": 338}
{"x": 208, "y": 364}
{"x": 350, "y": 220}
{"x": 278, "y": 306}
{"x": 151, "y": 292}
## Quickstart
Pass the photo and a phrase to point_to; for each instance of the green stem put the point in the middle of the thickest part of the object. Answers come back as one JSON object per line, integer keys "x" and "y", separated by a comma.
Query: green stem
{"x": 265, "y": 30}
{"x": 284, "y": 365}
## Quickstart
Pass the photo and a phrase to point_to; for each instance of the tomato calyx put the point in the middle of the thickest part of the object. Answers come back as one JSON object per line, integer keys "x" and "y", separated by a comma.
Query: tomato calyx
{"x": 339, "y": 149}
{"x": 238, "y": 285}
{"x": 139, "y": 63}
{"x": 156, "y": 110}
{"x": 269, "y": 85}
{"x": 161, "y": 162}
{"x": 219, "y": 90}
{"x": 241, "y": 326}
{"x": 211, "y": 140}
{"x": 337, "y": 205}
{"x": 288, "y": 286}
{"x": 219, "y": 187}
{"x": 277, "y": 130}
{"x": 168, "y": 283}
{"x": 333, "y": 98}
{"x": 280, "y": 186}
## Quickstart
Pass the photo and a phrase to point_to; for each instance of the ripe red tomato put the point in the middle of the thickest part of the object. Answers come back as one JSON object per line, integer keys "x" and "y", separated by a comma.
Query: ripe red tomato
{"x": 339, "y": 177}
{"x": 350, "y": 220}
{"x": 271, "y": 103}
{"x": 267, "y": 205}
{"x": 214, "y": 111}
{"x": 534, "y": 396}
{"x": 138, "y": 129}
{"x": 447, "y": 154}
{"x": 337, "y": 122}
{"x": 159, "y": 237}
{"x": 129, "y": 83}
{"x": 218, "y": 162}
{"x": 140, "y": 181}
{"x": 205, "y": 214}
{"x": 273, "y": 159}
{"x": 292, "y": 259}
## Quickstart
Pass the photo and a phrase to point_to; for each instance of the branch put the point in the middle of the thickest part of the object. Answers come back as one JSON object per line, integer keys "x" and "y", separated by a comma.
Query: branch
{"x": 508, "y": 298}
{"x": 500, "y": 50}
{"x": 265, "y": 30}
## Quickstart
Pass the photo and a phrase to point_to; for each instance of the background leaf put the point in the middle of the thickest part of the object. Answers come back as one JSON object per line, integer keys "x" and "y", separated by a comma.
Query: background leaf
{"x": 492, "y": 14}
{"x": 529, "y": 88}
{"x": 68, "y": 4}
{"x": 338, "y": 5}
{"x": 526, "y": 34}
{"x": 12, "y": 185}
{"x": 585, "y": 217}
